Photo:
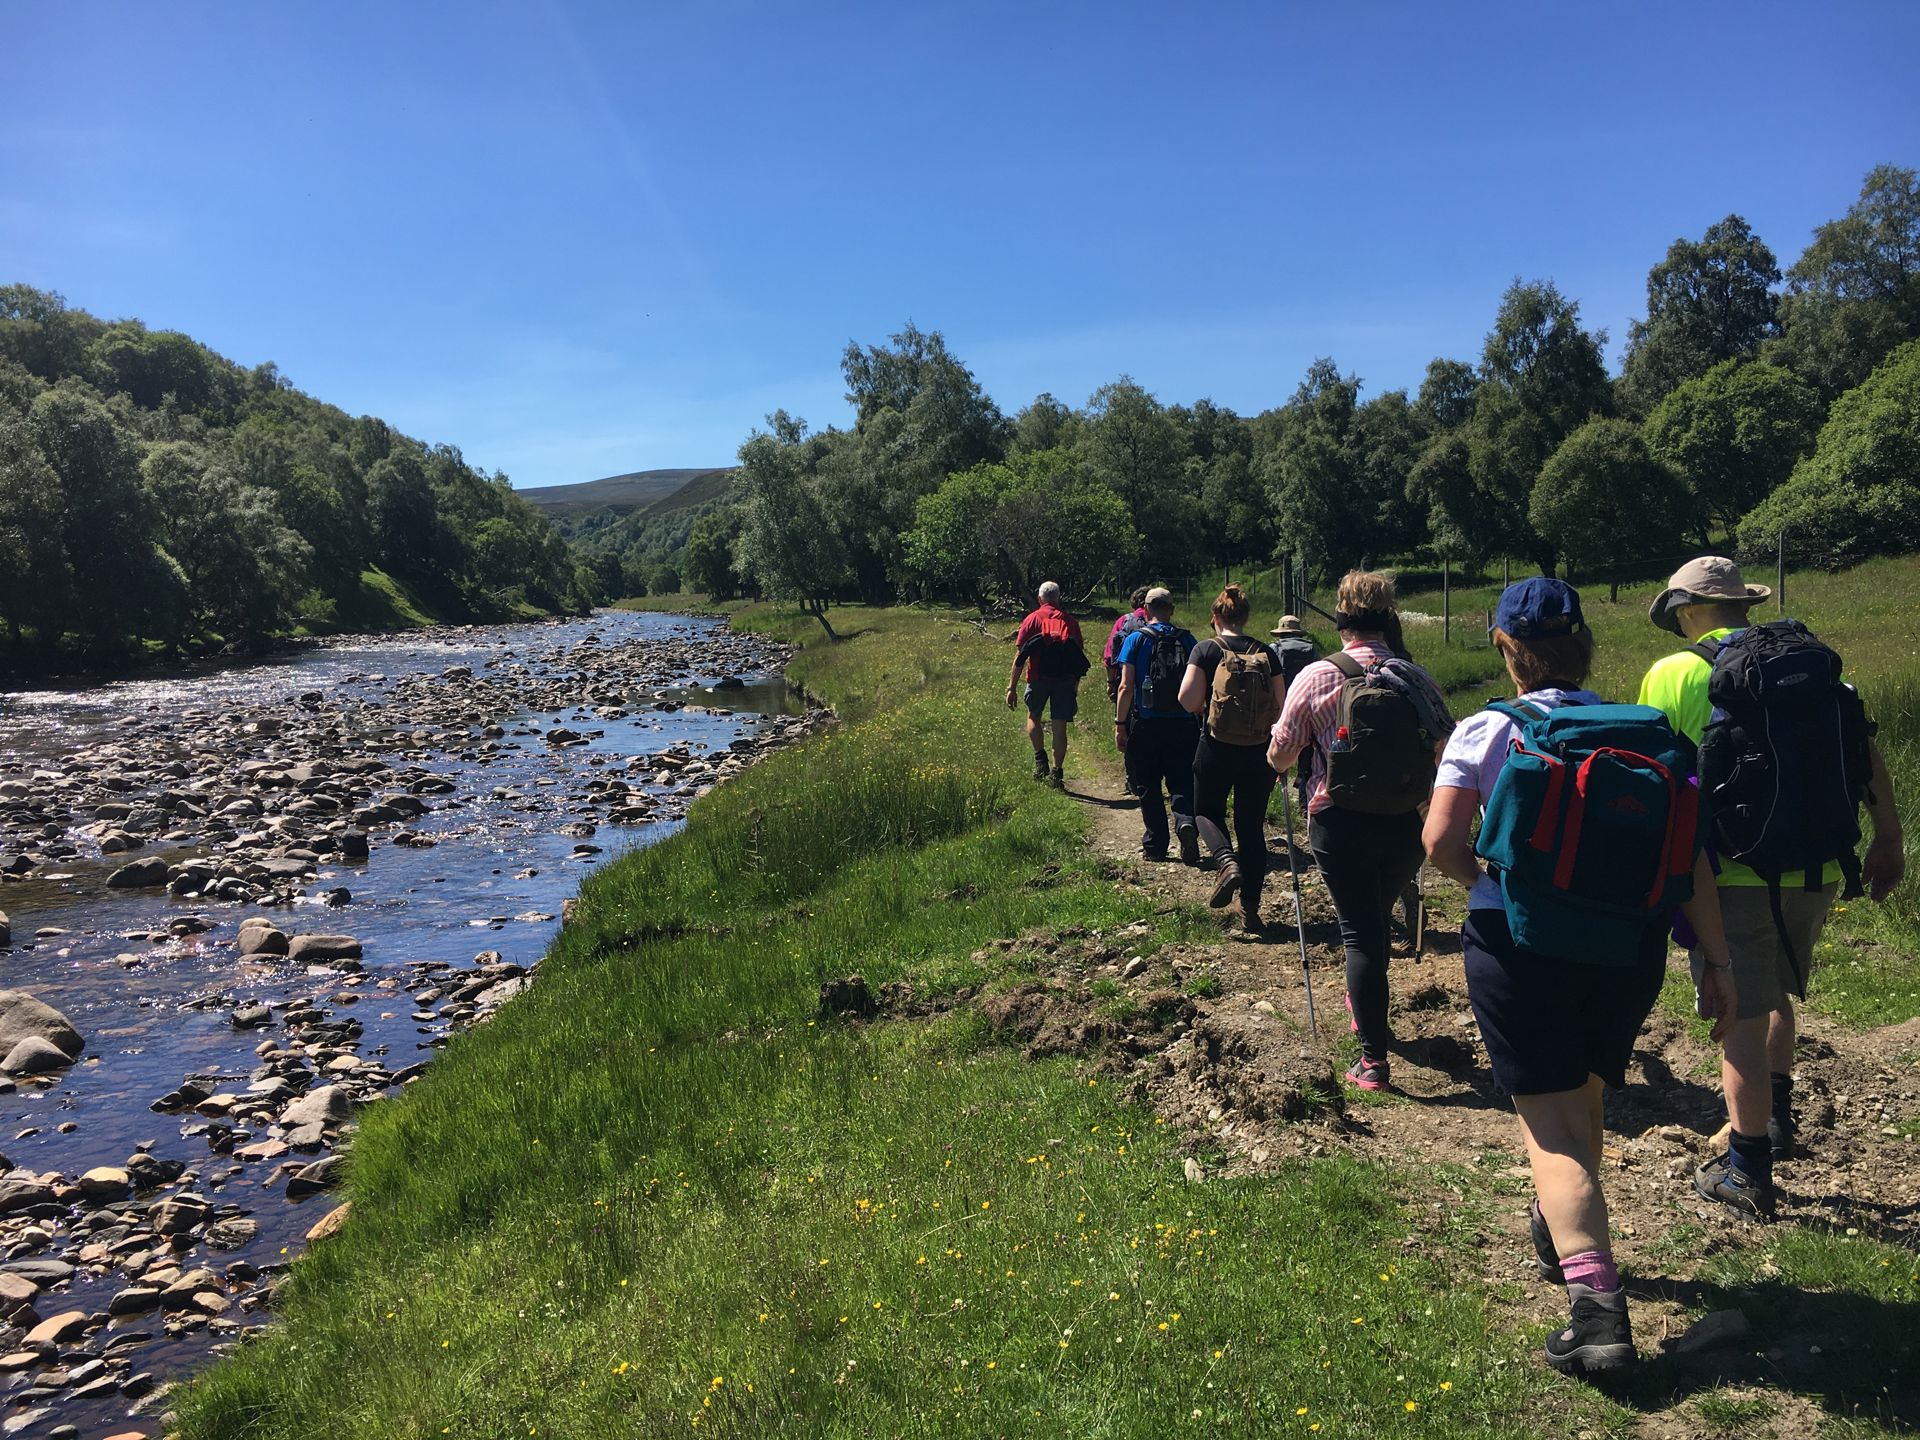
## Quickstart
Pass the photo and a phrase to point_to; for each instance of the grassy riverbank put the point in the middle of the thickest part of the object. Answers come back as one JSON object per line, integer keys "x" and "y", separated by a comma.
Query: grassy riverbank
{"x": 662, "y": 1194}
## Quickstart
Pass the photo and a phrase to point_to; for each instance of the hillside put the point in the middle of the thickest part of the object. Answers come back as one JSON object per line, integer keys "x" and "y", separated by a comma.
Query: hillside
{"x": 622, "y": 494}
{"x": 632, "y": 544}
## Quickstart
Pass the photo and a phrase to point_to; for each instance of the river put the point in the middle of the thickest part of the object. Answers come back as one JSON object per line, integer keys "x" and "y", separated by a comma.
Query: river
{"x": 539, "y": 751}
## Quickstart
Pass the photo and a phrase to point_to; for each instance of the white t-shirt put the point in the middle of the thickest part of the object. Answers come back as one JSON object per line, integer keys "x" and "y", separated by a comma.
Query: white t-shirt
{"x": 1477, "y": 751}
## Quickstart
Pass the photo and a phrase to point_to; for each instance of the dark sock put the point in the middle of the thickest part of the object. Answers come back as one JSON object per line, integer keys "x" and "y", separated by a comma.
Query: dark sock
{"x": 1753, "y": 1155}
{"x": 1783, "y": 1100}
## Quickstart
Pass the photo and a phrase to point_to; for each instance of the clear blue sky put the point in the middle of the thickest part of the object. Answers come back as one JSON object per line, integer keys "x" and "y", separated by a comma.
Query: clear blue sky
{"x": 582, "y": 238}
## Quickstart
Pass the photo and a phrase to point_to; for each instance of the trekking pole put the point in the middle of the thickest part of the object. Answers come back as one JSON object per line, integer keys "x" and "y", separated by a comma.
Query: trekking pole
{"x": 1299, "y": 914}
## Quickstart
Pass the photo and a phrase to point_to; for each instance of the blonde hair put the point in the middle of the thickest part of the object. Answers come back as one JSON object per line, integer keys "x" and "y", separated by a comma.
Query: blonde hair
{"x": 1231, "y": 607}
{"x": 1366, "y": 590}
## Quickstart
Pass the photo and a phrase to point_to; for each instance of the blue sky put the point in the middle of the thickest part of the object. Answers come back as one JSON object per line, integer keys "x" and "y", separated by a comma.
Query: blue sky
{"x": 576, "y": 239}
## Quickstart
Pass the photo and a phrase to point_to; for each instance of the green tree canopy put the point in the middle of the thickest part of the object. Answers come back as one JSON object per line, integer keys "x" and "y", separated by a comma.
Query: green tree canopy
{"x": 1603, "y": 501}
{"x": 1857, "y": 494}
{"x": 1855, "y": 294}
{"x": 1733, "y": 434}
{"x": 1710, "y": 300}
{"x": 790, "y": 541}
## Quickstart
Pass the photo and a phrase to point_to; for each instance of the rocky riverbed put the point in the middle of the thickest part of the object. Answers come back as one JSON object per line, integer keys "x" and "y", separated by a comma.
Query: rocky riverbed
{"x": 236, "y": 908}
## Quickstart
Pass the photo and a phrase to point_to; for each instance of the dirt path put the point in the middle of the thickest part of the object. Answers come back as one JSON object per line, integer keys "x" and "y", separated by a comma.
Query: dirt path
{"x": 1239, "y": 1071}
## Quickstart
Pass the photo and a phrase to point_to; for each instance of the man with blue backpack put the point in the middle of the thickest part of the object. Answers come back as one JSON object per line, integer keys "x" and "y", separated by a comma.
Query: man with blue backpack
{"x": 1787, "y": 759}
{"x": 1590, "y": 839}
{"x": 1154, "y": 730}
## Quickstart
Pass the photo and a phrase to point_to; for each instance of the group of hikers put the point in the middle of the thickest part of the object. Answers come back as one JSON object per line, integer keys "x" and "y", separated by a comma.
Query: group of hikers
{"x": 1721, "y": 810}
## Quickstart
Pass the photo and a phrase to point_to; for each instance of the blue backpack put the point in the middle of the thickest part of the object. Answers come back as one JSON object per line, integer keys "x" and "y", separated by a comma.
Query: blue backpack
{"x": 1592, "y": 828}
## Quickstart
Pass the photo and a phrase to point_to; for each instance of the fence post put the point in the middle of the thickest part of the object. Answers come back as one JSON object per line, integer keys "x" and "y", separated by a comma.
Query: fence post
{"x": 1446, "y": 601}
{"x": 1780, "y": 572}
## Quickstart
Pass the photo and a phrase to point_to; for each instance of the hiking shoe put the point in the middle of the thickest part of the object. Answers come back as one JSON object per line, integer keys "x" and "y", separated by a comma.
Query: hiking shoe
{"x": 1153, "y": 852}
{"x": 1039, "y": 766}
{"x": 1189, "y": 835}
{"x": 1228, "y": 883}
{"x": 1720, "y": 1179}
{"x": 1368, "y": 1074}
{"x": 1058, "y": 780}
{"x": 1543, "y": 1251}
{"x": 1598, "y": 1335}
{"x": 1250, "y": 920}
{"x": 1782, "y": 1134}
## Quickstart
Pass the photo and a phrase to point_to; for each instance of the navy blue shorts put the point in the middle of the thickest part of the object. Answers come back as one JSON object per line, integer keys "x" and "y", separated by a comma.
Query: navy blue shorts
{"x": 1549, "y": 1024}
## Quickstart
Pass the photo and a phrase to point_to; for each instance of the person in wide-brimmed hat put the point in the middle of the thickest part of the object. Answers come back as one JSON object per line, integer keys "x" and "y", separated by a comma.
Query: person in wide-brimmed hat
{"x": 1710, "y": 580}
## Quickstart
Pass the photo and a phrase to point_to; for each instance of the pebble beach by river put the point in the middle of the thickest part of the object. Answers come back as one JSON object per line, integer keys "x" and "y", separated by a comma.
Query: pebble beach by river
{"x": 237, "y": 906}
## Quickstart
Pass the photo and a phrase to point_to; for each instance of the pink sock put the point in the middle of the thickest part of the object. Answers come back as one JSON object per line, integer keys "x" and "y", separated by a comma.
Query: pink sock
{"x": 1591, "y": 1268}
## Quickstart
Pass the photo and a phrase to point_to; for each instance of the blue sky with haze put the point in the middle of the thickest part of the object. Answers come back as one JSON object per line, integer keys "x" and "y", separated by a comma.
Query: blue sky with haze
{"x": 576, "y": 239}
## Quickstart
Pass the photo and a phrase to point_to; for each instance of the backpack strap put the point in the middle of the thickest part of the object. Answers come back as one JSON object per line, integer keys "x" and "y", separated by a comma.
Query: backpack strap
{"x": 1346, "y": 665}
{"x": 1706, "y": 652}
{"x": 1520, "y": 711}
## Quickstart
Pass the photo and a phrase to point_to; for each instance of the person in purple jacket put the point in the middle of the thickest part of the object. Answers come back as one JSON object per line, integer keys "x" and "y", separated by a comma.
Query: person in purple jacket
{"x": 1134, "y": 619}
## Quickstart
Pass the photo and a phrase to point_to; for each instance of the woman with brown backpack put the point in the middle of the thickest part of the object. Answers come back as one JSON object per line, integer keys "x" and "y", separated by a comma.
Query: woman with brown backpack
{"x": 1373, "y": 723}
{"x": 1235, "y": 685}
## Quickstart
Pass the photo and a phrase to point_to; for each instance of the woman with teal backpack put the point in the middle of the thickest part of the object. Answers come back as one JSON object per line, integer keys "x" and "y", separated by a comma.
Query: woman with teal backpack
{"x": 1590, "y": 836}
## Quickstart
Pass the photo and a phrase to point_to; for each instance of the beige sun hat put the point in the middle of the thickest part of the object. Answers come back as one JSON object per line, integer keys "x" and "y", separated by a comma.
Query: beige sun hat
{"x": 1710, "y": 580}
{"x": 1289, "y": 625}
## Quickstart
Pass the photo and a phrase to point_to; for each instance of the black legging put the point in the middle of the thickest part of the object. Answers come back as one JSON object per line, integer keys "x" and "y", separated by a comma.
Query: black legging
{"x": 1367, "y": 862}
{"x": 1240, "y": 770}
{"x": 1161, "y": 749}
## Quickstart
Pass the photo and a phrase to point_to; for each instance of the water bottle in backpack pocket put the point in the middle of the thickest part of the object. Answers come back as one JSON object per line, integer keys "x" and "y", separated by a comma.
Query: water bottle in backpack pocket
{"x": 1166, "y": 667}
{"x": 1592, "y": 828}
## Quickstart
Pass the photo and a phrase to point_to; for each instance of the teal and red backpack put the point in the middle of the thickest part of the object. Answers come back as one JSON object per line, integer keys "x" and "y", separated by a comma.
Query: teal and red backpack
{"x": 1592, "y": 828}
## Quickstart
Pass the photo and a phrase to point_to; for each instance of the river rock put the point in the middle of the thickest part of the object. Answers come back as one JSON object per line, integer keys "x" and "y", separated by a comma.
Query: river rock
{"x": 34, "y": 1056}
{"x": 105, "y": 1182}
{"x": 178, "y": 1214}
{"x": 134, "y": 1300}
{"x": 62, "y": 1327}
{"x": 321, "y": 948}
{"x": 140, "y": 875}
{"x": 251, "y": 1017}
{"x": 262, "y": 939}
{"x": 6, "y": 930}
{"x": 312, "y": 1179}
{"x": 16, "y": 1291}
{"x": 329, "y": 1224}
{"x": 22, "y": 1016}
{"x": 327, "y": 1105}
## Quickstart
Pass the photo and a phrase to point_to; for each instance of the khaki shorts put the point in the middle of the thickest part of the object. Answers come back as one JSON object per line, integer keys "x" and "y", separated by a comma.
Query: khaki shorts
{"x": 1763, "y": 973}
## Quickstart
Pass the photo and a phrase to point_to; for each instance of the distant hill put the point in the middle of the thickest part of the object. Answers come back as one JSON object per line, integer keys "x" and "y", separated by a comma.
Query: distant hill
{"x": 621, "y": 494}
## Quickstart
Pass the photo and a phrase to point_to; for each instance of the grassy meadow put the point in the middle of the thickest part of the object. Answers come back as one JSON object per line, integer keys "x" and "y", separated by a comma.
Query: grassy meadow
{"x": 660, "y": 1194}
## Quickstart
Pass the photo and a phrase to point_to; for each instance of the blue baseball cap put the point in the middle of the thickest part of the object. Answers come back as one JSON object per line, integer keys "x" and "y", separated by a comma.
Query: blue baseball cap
{"x": 1538, "y": 609}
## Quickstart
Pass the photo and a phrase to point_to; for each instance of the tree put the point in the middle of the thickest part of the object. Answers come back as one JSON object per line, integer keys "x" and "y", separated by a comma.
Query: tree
{"x": 1602, "y": 501}
{"x": 708, "y": 558}
{"x": 39, "y": 333}
{"x": 1855, "y": 294}
{"x": 35, "y": 578}
{"x": 1708, "y": 301}
{"x": 106, "y": 524}
{"x": 1046, "y": 424}
{"x": 1135, "y": 447}
{"x": 997, "y": 530}
{"x": 403, "y": 516}
{"x": 1856, "y": 494}
{"x": 789, "y": 542}
{"x": 149, "y": 365}
{"x": 1542, "y": 377}
{"x": 1388, "y": 436}
{"x": 1446, "y": 394}
{"x": 1460, "y": 521}
{"x": 1733, "y": 434}
{"x": 1311, "y": 473}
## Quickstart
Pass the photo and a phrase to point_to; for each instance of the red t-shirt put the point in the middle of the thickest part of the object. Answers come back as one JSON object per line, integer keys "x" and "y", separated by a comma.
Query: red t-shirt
{"x": 1052, "y": 617}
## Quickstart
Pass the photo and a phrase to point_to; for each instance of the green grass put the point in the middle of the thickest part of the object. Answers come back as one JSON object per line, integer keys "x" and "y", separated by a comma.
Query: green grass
{"x": 662, "y": 1194}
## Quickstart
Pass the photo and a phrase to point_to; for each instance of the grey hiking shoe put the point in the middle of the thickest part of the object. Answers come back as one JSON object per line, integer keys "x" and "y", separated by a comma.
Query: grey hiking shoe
{"x": 1720, "y": 1179}
{"x": 1598, "y": 1335}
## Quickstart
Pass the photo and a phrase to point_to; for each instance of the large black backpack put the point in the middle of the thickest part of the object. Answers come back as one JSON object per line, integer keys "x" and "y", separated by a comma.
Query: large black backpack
{"x": 1785, "y": 761}
{"x": 1165, "y": 668}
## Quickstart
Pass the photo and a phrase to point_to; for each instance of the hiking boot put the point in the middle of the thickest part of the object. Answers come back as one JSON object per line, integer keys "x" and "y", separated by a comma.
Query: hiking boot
{"x": 1058, "y": 780}
{"x": 1189, "y": 835}
{"x": 1250, "y": 919}
{"x": 1721, "y": 1179}
{"x": 1782, "y": 1135}
{"x": 1543, "y": 1251}
{"x": 1151, "y": 851}
{"x": 1598, "y": 1335}
{"x": 1039, "y": 766}
{"x": 1225, "y": 887}
{"x": 1368, "y": 1074}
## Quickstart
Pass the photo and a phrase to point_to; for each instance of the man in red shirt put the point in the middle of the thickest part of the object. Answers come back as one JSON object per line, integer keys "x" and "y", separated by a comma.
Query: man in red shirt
{"x": 1048, "y": 644}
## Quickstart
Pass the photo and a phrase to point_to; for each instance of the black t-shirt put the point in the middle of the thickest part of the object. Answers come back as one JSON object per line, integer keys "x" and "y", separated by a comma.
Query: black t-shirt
{"x": 1207, "y": 654}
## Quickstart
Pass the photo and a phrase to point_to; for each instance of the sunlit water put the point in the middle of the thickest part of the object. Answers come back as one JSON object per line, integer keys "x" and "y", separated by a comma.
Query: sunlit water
{"x": 495, "y": 881}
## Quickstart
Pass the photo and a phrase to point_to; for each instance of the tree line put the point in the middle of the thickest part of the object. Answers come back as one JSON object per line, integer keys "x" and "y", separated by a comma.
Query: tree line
{"x": 155, "y": 492}
{"x": 1752, "y": 403}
